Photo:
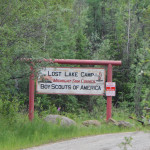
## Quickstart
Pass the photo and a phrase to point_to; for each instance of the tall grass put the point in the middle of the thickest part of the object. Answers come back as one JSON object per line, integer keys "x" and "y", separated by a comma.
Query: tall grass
{"x": 23, "y": 133}
{"x": 17, "y": 132}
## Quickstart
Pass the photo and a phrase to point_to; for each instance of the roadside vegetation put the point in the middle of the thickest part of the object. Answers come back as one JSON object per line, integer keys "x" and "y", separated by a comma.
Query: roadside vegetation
{"x": 17, "y": 132}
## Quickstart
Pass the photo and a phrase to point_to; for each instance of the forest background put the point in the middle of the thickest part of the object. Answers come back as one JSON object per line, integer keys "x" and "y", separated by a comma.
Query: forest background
{"x": 75, "y": 29}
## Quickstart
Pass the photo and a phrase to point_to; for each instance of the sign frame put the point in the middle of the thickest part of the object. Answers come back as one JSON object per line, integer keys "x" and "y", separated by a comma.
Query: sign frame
{"x": 108, "y": 63}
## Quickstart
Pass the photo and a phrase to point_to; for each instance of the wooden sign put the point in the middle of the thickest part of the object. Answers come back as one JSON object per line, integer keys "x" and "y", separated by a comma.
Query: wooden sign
{"x": 73, "y": 81}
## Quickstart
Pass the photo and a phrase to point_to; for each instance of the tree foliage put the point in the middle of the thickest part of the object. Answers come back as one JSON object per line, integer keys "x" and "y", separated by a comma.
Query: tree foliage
{"x": 77, "y": 29}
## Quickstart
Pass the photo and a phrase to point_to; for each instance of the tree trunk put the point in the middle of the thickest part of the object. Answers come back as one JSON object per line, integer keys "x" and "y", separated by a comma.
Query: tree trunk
{"x": 129, "y": 24}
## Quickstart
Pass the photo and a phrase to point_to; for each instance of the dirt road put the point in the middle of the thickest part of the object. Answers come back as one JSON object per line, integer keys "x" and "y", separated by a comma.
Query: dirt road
{"x": 140, "y": 141}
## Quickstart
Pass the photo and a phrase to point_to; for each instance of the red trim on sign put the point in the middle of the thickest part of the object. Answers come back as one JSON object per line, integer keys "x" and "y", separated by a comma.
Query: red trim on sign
{"x": 113, "y": 88}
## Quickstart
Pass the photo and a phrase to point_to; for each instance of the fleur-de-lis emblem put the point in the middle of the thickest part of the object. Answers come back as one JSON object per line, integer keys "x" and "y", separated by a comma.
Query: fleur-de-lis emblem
{"x": 99, "y": 77}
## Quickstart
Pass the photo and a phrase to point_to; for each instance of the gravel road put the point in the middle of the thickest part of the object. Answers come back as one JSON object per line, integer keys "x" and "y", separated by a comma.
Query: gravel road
{"x": 140, "y": 141}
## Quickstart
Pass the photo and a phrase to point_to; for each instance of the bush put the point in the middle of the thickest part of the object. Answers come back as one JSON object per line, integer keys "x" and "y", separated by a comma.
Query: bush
{"x": 9, "y": 108}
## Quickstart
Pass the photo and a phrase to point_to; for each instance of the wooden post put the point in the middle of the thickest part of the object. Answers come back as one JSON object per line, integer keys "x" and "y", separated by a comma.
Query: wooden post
{"x": 109, "y": 98}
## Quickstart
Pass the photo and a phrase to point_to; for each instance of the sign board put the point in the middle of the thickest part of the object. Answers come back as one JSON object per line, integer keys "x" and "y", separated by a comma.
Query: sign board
{"x": 73, "y": 81}
{"x": 110, "y": 88}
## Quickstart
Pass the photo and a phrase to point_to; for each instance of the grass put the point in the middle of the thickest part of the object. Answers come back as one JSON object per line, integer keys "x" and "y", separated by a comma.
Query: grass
{"x": 23, "y": 133}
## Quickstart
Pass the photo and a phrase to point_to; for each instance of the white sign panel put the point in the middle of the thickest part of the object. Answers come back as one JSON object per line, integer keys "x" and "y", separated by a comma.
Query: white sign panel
{"x": 110, "y": 89}
{"x": 74, "y": 81}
